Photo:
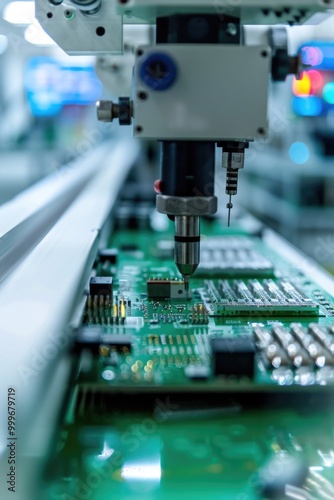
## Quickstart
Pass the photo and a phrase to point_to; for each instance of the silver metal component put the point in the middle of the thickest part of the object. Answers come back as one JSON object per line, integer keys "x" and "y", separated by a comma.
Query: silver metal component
{"x": 234, "y": 109}
{"x": 293, "y": 348}
{"x": 322, "y": 336}
{"x": 183, "y": 205}
{"x": 229, "y": 206}
{"x": 78, "y": 33}
{"x": 187, "y": 246}
{"x": 37, "y": 316}
{"x": 263, "y": 337}
{"x": 88, "y": 6}
{"x": 186, "y": 282}
{"x": 321, "y": 356}
{"x": 107, "y": 111}
{"x": 25, "y": 220}
{"x": 232, "y": 161}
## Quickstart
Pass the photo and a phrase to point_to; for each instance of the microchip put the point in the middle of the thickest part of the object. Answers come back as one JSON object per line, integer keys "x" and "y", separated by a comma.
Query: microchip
{"x": 108, "y": 255}
{"x": 233, "y": 356}
{"x": 167, "y": 289}
{"x": 101, "y": 285}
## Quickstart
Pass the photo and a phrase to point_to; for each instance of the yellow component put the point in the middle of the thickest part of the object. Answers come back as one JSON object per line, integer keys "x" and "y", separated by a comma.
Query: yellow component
{"x": 123, "y": 309}
{"x": 302, "y": 86}
{"x": 115, "y": 311}
{"x": 104, "y": 350}
{"x": 150, "y": 363}
{"x": 134, "y": 368}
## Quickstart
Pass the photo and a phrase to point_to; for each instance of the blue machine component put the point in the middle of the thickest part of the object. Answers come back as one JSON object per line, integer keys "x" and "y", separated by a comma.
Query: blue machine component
{"x": 158, "y": 71}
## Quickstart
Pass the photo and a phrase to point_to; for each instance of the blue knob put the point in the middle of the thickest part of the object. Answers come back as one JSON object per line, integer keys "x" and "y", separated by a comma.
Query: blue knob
{"x": 158, "y": 71}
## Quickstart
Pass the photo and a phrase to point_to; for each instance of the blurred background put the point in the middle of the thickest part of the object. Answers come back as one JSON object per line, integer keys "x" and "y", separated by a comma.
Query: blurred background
{"x": 47, "y": 103}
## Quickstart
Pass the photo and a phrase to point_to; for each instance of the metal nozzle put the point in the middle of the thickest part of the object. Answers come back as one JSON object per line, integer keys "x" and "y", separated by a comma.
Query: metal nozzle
{"x": 187, "y": 246}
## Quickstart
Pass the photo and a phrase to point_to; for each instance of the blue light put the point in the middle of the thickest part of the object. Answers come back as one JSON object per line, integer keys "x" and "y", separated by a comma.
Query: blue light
{"x": 51, "y": 85}
{"x": 307, "y": 106}
{"x": 319, "y": 55}
{"x": 328, "y": 92}
{"x": 299, "y": 153}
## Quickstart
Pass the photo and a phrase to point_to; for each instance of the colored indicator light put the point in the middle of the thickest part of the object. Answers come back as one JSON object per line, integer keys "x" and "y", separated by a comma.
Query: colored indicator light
{"x": 302, "y": 86}
{"x": 299, "y": 153}
{"x": 315, "y": 79}
{"x": 328, "y": 92}
{"x": 307, "y": 106}
{"x": 312, "y": 55}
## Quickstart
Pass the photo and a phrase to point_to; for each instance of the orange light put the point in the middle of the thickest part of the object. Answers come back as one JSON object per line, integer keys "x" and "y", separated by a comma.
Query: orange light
{"x": 316, "y": 80}
{"x": 302, "y": 86}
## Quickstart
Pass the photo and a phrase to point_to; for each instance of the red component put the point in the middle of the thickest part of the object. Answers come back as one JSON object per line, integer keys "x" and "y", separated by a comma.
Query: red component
{"x": 157, "y": 186}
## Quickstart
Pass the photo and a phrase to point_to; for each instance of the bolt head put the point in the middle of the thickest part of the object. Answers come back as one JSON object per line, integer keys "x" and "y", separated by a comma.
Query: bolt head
{"x": 104, "y": 111}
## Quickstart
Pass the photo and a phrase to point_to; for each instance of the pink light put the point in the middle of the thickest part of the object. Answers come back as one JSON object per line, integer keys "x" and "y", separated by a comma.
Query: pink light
{"x": 316, "y": 80}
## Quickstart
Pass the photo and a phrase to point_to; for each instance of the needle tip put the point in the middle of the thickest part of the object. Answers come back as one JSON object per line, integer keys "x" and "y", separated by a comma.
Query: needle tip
{"x": 229, "y": 205}
{"x": 186, "y": 283}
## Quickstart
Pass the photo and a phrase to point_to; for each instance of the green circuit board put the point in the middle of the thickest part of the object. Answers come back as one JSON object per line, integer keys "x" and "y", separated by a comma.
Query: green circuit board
{"x": 219, "y": 393}
{"x": 162, "y": 336}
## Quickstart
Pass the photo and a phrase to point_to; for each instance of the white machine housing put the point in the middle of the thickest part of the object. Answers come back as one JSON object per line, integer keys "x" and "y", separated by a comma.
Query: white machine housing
{"x": 220, "y": 92}
{"x": 248, "y": 11}
{"x": 81, "y": 34}
{"x": 76, "y": 32}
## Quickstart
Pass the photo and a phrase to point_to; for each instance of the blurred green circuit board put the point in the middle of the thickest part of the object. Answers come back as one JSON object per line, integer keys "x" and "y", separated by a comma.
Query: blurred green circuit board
{"x": 149, "y": 416}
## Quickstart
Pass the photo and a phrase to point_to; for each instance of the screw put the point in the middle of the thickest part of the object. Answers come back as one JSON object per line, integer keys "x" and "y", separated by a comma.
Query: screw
{"x": 69, "y": 14}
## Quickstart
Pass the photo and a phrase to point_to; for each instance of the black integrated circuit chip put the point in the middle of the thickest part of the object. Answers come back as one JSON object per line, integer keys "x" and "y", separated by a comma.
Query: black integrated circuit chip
{"x": 101, "y": 285}
{"x": 108, "y": 255}
{"x": 233, "y": 356}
